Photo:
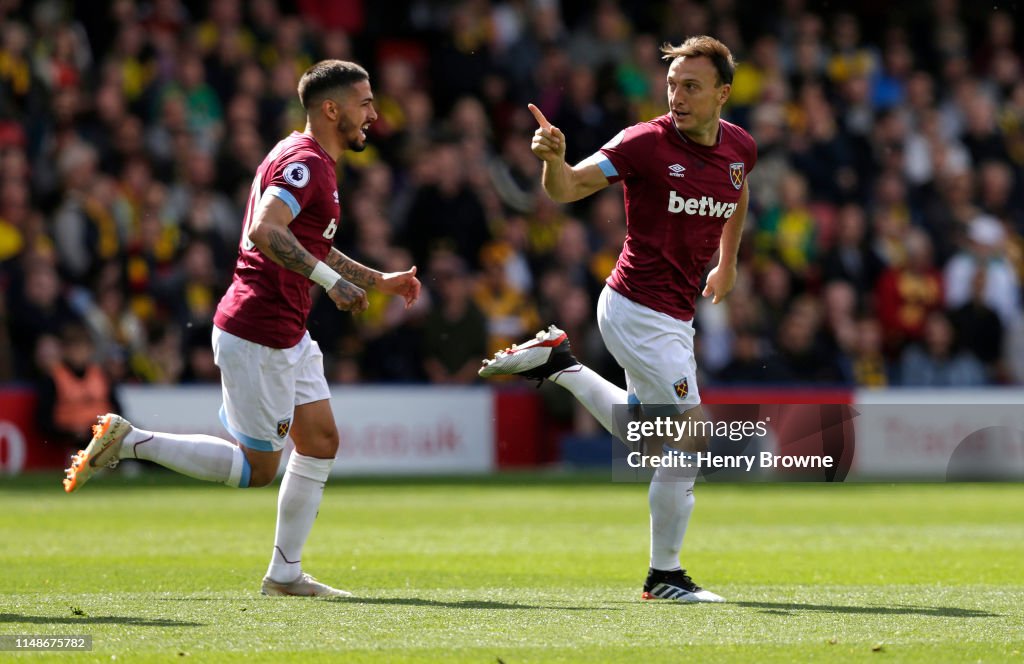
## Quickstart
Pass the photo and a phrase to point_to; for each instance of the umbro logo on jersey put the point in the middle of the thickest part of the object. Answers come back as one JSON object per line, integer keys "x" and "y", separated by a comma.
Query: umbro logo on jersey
{"x": 335, "y": 196}
{"x": 677, "y": 171}
{"x": 705, "y": 206}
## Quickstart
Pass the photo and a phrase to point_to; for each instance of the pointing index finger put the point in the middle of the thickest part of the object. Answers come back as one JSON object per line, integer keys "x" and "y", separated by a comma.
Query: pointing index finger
{"x": 539, "y": 117}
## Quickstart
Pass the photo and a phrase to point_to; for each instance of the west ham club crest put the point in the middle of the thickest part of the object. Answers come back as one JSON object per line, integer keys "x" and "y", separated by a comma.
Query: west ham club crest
{"x": 736, "y": 172}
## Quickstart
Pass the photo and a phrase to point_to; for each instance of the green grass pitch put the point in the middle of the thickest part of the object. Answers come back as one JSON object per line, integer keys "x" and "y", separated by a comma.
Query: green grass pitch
{"x": 517, "y": 569}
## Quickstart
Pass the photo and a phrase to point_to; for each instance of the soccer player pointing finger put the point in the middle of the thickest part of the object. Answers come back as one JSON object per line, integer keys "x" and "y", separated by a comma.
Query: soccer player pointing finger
{"x": 685, "y": 189}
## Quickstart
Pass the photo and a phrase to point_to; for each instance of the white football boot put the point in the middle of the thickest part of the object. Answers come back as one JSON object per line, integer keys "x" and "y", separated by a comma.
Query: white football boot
{"x": 304, "y": 586}
{"x": 104, "y": 450}
{"x": 540, "y": 357}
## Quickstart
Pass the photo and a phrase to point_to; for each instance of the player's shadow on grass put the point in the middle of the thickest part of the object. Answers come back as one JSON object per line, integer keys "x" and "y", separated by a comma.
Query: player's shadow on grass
{"x": 95, "y": 620}
{"x": 785, "y": 608}
{"x": 462, "y": 604}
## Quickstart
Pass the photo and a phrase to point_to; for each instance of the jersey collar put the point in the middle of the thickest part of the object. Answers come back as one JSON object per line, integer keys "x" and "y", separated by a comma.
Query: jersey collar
{"x": 315, "y": 142}
{"x": 684, "y": 139}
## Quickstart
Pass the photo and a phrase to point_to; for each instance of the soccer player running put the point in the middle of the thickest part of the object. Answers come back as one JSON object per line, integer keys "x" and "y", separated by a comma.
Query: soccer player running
{"x": 684, "y": 177}
{"x": 272, "y": 372}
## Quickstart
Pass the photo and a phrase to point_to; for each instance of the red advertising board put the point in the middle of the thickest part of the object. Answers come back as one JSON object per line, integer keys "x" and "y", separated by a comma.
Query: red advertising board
{"x": 21, "y": 446}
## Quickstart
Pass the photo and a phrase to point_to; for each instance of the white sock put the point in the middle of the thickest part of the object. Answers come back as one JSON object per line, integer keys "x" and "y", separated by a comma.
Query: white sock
{"x": 671, "y": 501}
{"x": 297, "y": 507}
{"x": 197, "y": 455}
{"x": 595, "y": 393}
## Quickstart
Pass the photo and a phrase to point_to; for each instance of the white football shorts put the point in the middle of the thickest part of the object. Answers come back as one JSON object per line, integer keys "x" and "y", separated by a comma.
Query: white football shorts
{"x": 655, "y": 350}
{"x": 263, "y": 385}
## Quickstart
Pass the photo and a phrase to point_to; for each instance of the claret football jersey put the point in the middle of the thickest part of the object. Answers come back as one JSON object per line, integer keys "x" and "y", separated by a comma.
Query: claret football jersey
{"x": 678, "y": 196}
{"x": 266, "y": 303}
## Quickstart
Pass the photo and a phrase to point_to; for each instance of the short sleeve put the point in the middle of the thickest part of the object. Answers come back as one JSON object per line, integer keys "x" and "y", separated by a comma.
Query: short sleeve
{"x": 294, "y": 181}
{"x": 629, "y": 151}
{"x": 752, "y": 159}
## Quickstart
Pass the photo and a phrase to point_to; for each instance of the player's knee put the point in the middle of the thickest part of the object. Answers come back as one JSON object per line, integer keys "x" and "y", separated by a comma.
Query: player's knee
{"x": 262, "y": 476}
{"x": 324, "y": 445}
{"x": 331, "y": 442}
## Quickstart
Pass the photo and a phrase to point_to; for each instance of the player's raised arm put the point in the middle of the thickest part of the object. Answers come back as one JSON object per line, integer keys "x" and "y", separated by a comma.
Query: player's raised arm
{"x": 270, "y": 233}
{"x": 562, "y": 182}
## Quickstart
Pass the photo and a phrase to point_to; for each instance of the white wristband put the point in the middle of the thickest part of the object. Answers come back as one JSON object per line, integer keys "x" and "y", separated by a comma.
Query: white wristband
{"x": 324, "y": 275}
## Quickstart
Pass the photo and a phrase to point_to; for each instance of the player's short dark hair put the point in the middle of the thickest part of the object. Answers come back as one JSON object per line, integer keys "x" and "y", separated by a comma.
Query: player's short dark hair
{"x": 325, "y": 76}
{"x": 703, "y": 46}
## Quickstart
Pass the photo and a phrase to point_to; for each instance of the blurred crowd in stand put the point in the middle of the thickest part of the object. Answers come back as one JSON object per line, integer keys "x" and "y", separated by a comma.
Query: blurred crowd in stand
{"x": 883, "y": 245}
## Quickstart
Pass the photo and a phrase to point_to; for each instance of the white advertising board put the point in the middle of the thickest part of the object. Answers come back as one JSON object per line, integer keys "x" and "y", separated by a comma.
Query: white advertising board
{"x": 938, "y": 435}
{"x": 383, "y": 430}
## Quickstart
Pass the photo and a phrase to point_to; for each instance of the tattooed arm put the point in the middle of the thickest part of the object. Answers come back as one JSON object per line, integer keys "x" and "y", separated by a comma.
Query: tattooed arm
{"x": 354, "y": 271}
{"x": 403, "y": 284}
{"x": 270, "y": 233}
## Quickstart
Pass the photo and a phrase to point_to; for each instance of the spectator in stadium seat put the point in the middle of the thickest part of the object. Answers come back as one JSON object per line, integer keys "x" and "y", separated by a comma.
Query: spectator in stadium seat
{"x": 801, "y": 351}
{"x": 572, "y": 256}
{"x": 163, "y": 364}
{"x": 866, "y": 362}
{"x": 85, "y": 229}
{"x": 907, "y": 293}
{"x": 510, "y": 312}
{"x": 42, "y": 310}
{"x": 788, "y": 231}
{"x": 890, "y": 208}
{"x": 889, "y": 85}
{"x": 607, "y": 229}
{"x": 930, "y": 156}
{"x": 985, "y": 250}
{"x": 16, "y": 79}
{"x": 774, "y": 287}
{"x": 390, "y": 332}
{"x": 769, "y": 130}
{"x": 117, "y": 332}
{"x": 604, "y": 39}
{"x": 455, "y": 332}
{"x": 1011, "y": 121}
{"x": 982, "y": 136}
{"x": 840, "y": 311}
{"x": 947, "y": 211}
{"x": 14, "y": 212}
{"x": 191, "y": 294}
{"x": 821, "y": 152}
{"x": 752, "y": 362}
{"x": 852, "y": 259}
{"x": 585, "y": 113}
{"x": 193, "y": 202}
{"x": 979, "y": 328}
{"x": 75, "y": 389}
{"x": 850, "y": 57}
{"x": 446, "y": 210}
{"x": 996, "y": 194}
{"x": 937, "y": 362}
